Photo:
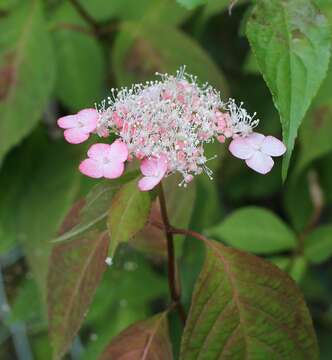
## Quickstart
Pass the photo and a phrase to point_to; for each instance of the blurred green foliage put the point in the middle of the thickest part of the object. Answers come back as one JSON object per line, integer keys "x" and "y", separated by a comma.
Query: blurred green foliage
{"x": 53, "y": 62}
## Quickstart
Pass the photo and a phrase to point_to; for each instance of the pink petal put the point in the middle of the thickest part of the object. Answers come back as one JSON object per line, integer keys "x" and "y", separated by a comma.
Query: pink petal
{"x": 99, "y": 151}
{"x": 260, "y": 162}
{"x": 119, "y": 151}
{"x": 273, "y": 146}
{"x": 255, "y": 140}
{"x": 68, "y": 122}
{"x": 88, "y": 119}
{"x": 240, "y": 148}
{"x": 91, "y": 168}
{"x": 148, "y": 183}
{"x": 154, "y": 166}
{"x": 75, "y": 136}
{"x": 113, "y": 170}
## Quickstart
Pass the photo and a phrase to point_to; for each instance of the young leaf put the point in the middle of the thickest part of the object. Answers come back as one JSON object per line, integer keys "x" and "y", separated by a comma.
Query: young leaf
{"x": 128, "y": 214}
{"x": 244, "y": 307}
{"x": 76, "y": 268}
{"x": 146, "y": 339}
{"x": 24, "y": 70}
{"x": 318, "y": 245}
{"x": 289, "y": 39}
{"x": 80, "y": 82}
{"x": 255, "y": 229}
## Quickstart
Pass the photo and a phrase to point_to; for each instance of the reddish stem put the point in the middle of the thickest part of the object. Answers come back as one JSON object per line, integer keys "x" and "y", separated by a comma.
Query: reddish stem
{"x": 172, "y": 272}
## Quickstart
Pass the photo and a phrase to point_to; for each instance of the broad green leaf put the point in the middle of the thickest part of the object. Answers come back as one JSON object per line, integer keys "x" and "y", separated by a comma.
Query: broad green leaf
{"x": 75, "y": 270}
{"x": 256, "y": 230}
{"x": 142, "y": 49}
{"x": 52, "y": 190}
{"x": 27, "y": 73}
{"x": 190, "y": 4}
{"x": 147, "y": 339}
{"x": 80, "y": 59}
{"x": 128, "y": 214}
{"x": 318, "y": 245}
{"x": 243, "y": 307}
{"x": 40, "y": 184}
{"x": 315, "y": 133}
{"x": 165, "y": 11}
{"x": 289, "y": 39}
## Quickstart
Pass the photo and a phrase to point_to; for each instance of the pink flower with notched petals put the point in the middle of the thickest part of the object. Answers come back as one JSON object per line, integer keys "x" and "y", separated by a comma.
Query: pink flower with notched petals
{"x": 257, "y": 150}
{"x": 105, "y": 160}
{"x": 79, "y": 126}
{"x": 153, "y": 169}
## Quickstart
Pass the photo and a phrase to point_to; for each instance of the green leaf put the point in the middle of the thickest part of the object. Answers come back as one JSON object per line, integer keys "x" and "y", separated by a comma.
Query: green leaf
{"x": 142, "y": 49}
{"x": 52, "y": 190}
{"x": 289, "y": 39}
{"x": 128, "y": 214}
{"x": 91, "y": 213}
{"x": 243, "y": 307}
{"x": 318, "y": 245}
{"x": 255, "y": 229}
{"x": 147, "y": 339}
{"x": 75, "y": 270}
{"x": 315, "y": 133}
{"x": 81, "y": 60}
{"x": 190, "y": 4}
{"x": 41, "y": 183}
{"x": 27, "y": 72}
{"x": 165, "y": 11}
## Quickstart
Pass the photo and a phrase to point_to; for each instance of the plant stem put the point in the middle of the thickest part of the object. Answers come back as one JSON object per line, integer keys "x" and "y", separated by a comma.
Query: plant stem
{"x": 86, "y": 16}
{"x": 172, "y": 273}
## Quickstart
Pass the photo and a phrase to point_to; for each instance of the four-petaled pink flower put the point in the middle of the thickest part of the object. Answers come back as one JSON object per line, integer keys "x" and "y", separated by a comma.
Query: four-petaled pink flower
{"x": 79, "y": 126}
{"x": 105, "y": 160}
{"x": 257, "y": 150}
{"x": 153, "y": 169}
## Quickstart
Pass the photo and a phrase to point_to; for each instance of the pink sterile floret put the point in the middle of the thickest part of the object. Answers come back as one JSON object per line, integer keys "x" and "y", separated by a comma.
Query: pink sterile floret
{"x": 257, "y": 150}
{"x": 153, "y": 169}
{"x": 79, "y": 126}
{"x": 105, "y": 160}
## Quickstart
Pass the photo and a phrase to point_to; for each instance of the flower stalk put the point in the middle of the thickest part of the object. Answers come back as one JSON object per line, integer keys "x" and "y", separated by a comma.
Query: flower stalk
{"x": 171, "y": 259}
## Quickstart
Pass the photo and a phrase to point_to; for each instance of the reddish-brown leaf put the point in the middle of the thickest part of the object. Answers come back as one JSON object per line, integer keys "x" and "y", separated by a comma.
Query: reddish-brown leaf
{"x": 145, "y": 340}
{"x": 76, "y": 268}
{"x": 244, "y": 307}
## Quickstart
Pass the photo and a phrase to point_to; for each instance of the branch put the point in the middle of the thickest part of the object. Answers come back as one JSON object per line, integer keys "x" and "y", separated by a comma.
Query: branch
{"x": 86, "y": 16}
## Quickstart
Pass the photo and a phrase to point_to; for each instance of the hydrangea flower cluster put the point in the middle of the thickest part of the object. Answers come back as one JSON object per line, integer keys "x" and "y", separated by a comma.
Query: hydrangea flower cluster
{"x": 165, "y": 125}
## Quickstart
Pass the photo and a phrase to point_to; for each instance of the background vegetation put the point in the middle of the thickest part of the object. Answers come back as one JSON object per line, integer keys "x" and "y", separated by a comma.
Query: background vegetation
{"x": 56, "y": 60}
